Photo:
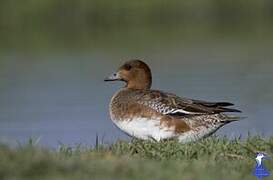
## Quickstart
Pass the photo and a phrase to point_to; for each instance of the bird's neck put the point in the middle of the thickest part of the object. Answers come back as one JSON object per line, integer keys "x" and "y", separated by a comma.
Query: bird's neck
{"x": 140, "y": 83}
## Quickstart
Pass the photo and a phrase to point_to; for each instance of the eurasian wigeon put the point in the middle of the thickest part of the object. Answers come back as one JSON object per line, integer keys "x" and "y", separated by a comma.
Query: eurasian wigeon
{"x": 153, "y": 114}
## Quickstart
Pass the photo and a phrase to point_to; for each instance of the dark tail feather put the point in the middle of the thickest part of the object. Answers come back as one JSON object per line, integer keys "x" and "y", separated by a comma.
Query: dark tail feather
{"x": 216, "y": 104}
{"x": 230, "y": 110}
{"x": 224, "y": 104}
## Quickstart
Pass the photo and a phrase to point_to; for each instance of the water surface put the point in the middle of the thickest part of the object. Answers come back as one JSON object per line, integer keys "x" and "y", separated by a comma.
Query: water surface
{"x": 62, "y": 98}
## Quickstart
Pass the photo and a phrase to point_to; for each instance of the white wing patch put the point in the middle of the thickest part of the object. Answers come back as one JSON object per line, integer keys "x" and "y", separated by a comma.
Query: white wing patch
{"x": 164, "y": 109}
{"x": 182, "y": 111}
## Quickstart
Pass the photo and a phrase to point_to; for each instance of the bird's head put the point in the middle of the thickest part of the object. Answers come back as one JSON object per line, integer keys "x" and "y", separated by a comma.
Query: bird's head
{"x": 135, "y": 73}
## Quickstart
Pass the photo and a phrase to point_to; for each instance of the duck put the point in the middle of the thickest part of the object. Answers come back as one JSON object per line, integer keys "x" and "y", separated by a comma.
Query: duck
{"x": 148, "y": 114}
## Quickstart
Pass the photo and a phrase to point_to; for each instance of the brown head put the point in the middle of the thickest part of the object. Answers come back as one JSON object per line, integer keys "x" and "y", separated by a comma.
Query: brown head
{"x": 135, "y": 73}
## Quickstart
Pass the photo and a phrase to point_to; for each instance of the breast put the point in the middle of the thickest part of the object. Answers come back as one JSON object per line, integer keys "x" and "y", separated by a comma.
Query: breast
{"x": 123, "y": 107}
{"x": 137, "y": 120}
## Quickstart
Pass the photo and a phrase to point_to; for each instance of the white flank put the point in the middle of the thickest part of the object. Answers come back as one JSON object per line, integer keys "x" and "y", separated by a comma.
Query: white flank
{"x": 144, "y": 128}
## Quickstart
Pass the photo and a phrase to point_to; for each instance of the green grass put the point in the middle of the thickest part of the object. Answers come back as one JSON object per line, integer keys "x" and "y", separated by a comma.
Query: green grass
{"x": 212, "y": 158}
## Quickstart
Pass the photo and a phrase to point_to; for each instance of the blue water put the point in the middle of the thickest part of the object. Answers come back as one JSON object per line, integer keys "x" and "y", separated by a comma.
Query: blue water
{"x": 62, "y": 98}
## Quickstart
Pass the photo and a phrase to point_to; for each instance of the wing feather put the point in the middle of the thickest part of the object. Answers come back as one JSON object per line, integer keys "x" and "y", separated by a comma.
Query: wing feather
{"x": 167, "y": 103}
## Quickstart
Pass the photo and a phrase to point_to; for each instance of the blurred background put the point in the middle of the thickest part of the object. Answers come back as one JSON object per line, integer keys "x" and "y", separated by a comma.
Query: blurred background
{"x": 54, "y": 55}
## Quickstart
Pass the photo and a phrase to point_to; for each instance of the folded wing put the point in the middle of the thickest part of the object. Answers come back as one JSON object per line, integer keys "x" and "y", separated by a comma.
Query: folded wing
{"x": 167, "y": 103}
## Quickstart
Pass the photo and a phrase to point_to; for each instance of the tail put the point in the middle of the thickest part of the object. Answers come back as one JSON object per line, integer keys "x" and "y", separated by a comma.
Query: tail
{"x": 223, "y": 109}
{"x": 232, "y": 118}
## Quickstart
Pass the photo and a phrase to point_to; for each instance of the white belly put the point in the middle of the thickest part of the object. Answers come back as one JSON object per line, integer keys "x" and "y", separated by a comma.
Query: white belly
{"x": 144, "y": 128}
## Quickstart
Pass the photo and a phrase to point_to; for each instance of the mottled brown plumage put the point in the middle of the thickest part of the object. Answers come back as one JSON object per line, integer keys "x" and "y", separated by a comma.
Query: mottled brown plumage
{"x": 146, "y": 113}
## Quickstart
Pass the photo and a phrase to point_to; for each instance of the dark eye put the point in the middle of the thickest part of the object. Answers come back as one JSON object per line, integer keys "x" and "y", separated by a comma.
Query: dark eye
{"x": 128, "y": 67}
